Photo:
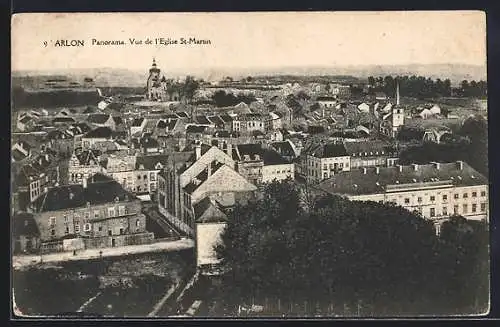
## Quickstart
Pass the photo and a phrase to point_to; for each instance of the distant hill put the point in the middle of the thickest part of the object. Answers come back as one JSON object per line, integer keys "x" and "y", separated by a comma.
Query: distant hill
{"x": 123, "y": 77}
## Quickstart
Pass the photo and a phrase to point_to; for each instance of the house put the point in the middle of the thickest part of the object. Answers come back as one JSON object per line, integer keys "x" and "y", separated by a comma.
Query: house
{"x": 436, "y": 190}
{"x": 99, "y": 134}
{"x": 208, "y": 172}
{"x": 102, "y": 120}
{"x": 97, "y": 214}
{"x": 274, "y": 121}
{"x": 20, "y": 151}
{"x": 83, "y": 163}
{"x": 322, "y": 160}
{"x": 147, "y": 144}
{"x": 252, "y": 122}
{"x": 286, "y": 149}
{"x": 121, "y": 167}
{"x": 364, "y": 107}
{"x": 261, "y": 165}
{"x": 33, "y": 179}
{"x": 326, "y": 101}
{"x": 147, "y": 168}
{"x": 425, "y": 113}
{"x": 25, "y": 123}
{"x": 369, "y": 153}
{"x": 60, "y": 141}
{"x": 137, "y": 126}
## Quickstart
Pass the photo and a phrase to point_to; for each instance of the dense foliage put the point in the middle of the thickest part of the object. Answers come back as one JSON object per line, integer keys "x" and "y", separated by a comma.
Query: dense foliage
{"x": 469, "y": 145}
{"x": 422, "y": 87}
{"x": 351, "y": 252}
{"x": 223, "y": 99}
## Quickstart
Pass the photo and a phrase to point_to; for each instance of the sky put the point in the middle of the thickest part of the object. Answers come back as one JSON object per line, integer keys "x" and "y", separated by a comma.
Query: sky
{"x": 250, "y": 40}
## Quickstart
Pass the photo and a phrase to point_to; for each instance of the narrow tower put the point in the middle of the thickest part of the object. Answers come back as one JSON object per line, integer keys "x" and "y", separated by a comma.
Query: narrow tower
{"x": 397, "y": 93}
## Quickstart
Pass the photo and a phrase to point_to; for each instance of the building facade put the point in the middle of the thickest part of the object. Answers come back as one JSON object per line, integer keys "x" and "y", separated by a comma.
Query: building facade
{"x": 99, "y": 213}
{"x": 436, "y": 191}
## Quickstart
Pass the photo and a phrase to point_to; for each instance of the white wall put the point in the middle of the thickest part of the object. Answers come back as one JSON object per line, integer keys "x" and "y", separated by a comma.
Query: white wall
{"x": 207, "y": 237}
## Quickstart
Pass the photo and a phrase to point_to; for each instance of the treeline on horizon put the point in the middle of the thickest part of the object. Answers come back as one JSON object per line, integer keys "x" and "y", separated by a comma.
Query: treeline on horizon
{"x": 425, "y": 87}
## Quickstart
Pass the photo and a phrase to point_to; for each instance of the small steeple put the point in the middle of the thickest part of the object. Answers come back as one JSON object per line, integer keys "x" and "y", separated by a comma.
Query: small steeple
{"x": 397, "y": 93}
{"x": 154, "y": 62}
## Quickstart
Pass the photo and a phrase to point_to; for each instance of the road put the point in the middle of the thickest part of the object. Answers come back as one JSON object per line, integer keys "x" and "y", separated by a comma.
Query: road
{"x": 30, "y": 260}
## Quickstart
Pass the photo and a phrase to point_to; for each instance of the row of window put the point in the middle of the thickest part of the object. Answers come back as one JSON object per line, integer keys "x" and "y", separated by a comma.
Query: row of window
{"x": 465, "y": 209}
{"x": 87, "y": 227}
{"x": 432, "y": 198}
{"x": 335, "y": 166}
{"x": 122, "y": 210}
{"x": 366, "y": 153}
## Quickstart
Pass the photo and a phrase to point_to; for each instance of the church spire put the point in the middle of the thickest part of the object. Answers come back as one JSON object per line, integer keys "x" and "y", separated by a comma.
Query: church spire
{"x": 154, "y": 62}
{"x": 397, "y": 93}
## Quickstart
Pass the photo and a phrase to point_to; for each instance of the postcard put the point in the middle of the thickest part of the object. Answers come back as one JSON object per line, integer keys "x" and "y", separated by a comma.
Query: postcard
{"x": 249, "y": 165}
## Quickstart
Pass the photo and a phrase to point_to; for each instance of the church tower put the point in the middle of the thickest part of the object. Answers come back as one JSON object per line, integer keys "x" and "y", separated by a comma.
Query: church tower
{"x": 398, "y": 114}
{"x": 153, "y": 83}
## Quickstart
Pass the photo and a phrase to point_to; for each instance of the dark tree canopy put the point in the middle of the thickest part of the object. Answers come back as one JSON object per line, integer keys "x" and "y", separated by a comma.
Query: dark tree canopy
{"x": 340, "y": 249}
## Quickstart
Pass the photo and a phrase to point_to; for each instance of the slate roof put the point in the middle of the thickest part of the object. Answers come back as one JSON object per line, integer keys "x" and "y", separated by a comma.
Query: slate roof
{"x": 216, "y": 120}
{"x": 25, "y": 119}
{"x": 137, "y": 122}
{"x": 284, "y": 148}
{"x": 100, "y": 189}
{"x": 329, "y": 150}
{"x": 150, "y": 162}
{"x": 195, "y": 129}
{"x": 355, "y": 182}
{"x": 98, "y": 118}
{"x": 202, "y": 120}
{"x": 206, "y": 211}
{"x": 17, "y": 155}
{"x": 86, "y": 157}
{"x": 370, "y": 148}
{"x": 226, "y": 118}
{"x": 269, "y": 156}
{"x": 99, "y": 132}
{"x": 63, "y": 120}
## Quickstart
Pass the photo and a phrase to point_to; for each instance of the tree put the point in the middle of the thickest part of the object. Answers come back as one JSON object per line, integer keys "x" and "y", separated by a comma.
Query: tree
{"x": 337, "y": 250}
{"x": 190, "y": 87}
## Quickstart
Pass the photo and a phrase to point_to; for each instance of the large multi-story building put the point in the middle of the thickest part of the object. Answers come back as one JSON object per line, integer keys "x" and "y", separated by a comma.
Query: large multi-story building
{"x": 261, "y": 165}
{"x": 323, "y": 160}
{"x": 437, "y": 191}
{"x": 99, "y": 213}
{"x": 371, "y": 154}
{"x": 209, "y": 172}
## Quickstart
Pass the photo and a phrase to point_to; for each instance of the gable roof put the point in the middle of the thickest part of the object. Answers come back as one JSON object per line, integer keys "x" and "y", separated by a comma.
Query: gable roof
{"x": 206, "y": 211}
{"x": 98, "y": 118}
{"x": 150, "y": 162}
{"x": 100, "y": 189}
{"x": 99, "y": 132}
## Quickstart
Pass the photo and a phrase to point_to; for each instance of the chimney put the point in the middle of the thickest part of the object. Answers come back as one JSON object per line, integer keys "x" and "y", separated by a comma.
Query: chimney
{"x": 377, "y": 170}
{"x": 415, "y": 167}
{"x": 229, "y": 149}
{"x": 460, "y": 165}
{"x": 364, "y": 171}
{"x": 46, "y": 157}
{"x": 436, "y": 165}
{"x": 197, "y": 151}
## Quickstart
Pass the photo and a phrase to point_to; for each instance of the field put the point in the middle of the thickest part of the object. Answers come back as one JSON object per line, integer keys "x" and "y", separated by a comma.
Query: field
{"x": 121, "y": 287}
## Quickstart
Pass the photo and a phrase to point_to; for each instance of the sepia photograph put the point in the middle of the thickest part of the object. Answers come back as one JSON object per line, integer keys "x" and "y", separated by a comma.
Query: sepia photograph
{"x": 249, "y": 165}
